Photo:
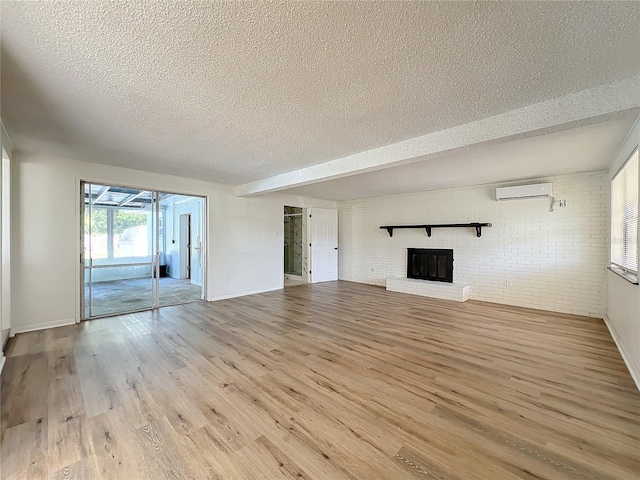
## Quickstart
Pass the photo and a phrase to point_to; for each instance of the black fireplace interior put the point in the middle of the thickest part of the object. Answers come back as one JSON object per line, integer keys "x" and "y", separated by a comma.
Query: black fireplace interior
{"x": 430, "y": 264}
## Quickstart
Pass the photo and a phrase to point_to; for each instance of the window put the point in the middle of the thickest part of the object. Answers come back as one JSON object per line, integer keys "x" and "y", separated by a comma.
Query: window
{"x": 131, "y": 233}
{"x": 624, "y": 217}
{"x": 120, "y": 233}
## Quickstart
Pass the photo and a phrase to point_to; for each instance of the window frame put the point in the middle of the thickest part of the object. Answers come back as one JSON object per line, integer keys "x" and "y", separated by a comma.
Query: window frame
{"x": 110, "y": 213}
{"x": 624, "y": 272}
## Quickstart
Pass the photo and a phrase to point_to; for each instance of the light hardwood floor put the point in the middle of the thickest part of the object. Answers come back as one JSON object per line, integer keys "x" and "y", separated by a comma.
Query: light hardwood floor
{"x": 328, "y": 381}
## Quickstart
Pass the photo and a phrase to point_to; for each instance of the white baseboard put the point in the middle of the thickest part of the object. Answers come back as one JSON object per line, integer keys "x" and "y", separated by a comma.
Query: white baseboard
{"x": 241, "y": 294}
{"x": 633, "y": 369}
{"x": 2, "y": 362}
{"x": 43, "y": 325}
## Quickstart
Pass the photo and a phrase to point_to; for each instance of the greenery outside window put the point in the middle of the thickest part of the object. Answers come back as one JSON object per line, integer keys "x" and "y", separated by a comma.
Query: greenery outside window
{"x": 121, "y": 233}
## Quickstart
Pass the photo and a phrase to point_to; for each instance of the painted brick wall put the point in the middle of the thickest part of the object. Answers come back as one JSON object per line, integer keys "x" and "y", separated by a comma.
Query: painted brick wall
{"x": 530, "y": 257}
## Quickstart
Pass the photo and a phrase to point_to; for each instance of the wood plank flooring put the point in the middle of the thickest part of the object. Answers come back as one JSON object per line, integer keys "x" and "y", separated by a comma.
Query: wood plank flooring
{"x": 328, "y": 381}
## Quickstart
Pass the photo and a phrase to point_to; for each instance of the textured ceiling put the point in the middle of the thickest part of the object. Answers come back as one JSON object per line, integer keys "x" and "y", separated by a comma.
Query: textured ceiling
{"x": 582, "y": 149}
{"x": 240, "y": 91}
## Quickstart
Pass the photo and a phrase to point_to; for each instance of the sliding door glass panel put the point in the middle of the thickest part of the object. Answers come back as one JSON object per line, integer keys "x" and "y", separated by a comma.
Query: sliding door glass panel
{"x": 86, "y": 302}
{"x": 181, "y": 249}
{"x": 119, "y": 249}
{"x": 121, "y": 296}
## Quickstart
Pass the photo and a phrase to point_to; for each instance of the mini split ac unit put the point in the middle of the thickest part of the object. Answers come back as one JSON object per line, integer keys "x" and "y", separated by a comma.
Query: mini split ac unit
{"x": 536, "y": 190}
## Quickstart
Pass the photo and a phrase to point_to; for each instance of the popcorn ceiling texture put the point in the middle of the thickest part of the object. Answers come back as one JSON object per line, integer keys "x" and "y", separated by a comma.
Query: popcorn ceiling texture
{"x": 552, "y": 261}
{"x": 239, "y": 91}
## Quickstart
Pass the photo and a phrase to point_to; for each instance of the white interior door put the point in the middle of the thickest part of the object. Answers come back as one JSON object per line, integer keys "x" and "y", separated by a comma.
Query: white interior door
{"x": 324, "y": 245}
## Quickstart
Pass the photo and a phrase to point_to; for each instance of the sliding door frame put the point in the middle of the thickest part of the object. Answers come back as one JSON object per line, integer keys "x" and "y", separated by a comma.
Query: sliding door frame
{"x": 155, "y": 268}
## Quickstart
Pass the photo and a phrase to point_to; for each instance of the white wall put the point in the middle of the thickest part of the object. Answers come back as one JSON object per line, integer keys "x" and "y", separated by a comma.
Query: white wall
{"x": 553, "y": 261}
{"x": 623, "y": 298}
{"x": 245, "y": 253}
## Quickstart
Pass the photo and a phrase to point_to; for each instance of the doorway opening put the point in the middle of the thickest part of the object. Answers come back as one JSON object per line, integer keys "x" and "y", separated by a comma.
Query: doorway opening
{"x": 295, "y": 251}
{"x": 135, "y": 254}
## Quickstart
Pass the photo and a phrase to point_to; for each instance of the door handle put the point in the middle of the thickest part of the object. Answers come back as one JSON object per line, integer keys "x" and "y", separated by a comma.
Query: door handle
{"x": 335, "y": 248}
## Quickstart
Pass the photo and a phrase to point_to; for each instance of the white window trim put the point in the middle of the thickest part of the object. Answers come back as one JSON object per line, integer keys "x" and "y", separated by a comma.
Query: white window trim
{"x": 626, "y": 273}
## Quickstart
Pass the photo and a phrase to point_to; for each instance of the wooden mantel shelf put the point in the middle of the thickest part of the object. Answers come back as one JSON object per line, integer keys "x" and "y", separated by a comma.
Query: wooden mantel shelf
{"x": 477, "y": 226}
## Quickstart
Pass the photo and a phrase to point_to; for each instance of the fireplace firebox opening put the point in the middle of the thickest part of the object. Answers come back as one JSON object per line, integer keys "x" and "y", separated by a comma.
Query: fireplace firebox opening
{"x": 430, "y": 264}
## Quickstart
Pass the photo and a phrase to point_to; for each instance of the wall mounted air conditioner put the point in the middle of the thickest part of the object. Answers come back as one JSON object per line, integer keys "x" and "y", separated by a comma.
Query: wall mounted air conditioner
{"x": 537, "y": 190}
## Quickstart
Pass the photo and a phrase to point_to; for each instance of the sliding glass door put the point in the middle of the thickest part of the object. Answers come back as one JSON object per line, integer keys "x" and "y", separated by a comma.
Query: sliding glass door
{"x": 120, "y": 258}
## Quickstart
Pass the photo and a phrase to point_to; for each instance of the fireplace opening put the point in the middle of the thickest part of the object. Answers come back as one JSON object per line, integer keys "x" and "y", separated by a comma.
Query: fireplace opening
{"x": 430, "y": 264}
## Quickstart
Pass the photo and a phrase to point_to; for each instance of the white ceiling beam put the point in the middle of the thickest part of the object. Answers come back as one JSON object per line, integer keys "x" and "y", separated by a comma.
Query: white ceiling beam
{"x": 578, "y": 109}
